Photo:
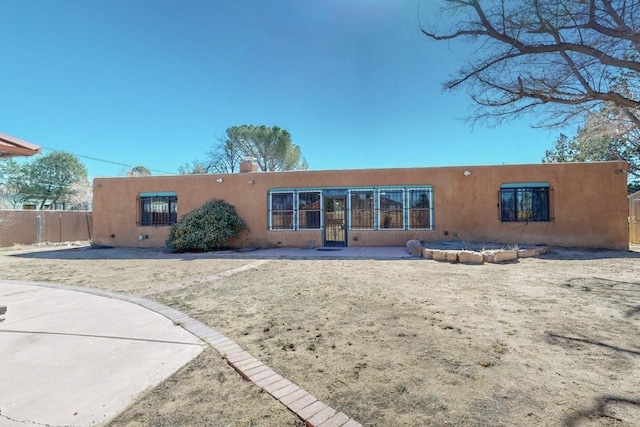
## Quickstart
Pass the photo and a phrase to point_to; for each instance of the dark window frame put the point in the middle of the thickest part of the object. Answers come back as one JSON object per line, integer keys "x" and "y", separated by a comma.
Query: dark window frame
{"x": 309, "y": 216}
{"x": 391, "y": 212}
{"x": 281, "y": 211}
{"x": 362, "y": 217}
{"x": 525, "y": 203}
{"x": 158, "y": 210}
{"x": 419, "y": 213}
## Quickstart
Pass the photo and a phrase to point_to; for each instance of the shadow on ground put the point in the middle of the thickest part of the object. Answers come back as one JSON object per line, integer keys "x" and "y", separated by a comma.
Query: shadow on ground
{"x": 107, "y": 252}
{"x": 563, "y": 253}
{"x": 99, "y": 252}
{"x": 553, "y": 338}
{"x": 604, "y": 407}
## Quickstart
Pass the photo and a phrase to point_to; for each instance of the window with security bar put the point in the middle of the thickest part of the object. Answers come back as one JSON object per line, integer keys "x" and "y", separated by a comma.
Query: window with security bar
{"x": 156, "y": 210}
{"x": 524, "y": 203}
{"x": 309, "y": 210}
{"x": 391, "y": 209}
{"x": 385, "y": 208}
{"x": 419, "y": 209}
{"x": 362, "y": 210}
{"x": 281, "y": 215}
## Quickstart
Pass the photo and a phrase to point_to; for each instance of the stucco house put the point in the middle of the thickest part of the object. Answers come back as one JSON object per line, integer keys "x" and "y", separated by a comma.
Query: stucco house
{"x": 561, "y": 204}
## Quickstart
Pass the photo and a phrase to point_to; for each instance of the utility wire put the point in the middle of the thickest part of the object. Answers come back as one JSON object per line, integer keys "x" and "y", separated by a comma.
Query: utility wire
{"x": 107, "y": 161}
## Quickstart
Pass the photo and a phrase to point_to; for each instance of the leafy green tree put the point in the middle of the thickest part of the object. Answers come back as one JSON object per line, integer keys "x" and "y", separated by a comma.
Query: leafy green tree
{"x": 565, "y": 150}
{"x": 50, "y": 179}
{"x": 270, "y": 147}
{"x": 138, "y": 171}
{"x": 558, "y": 58}
{"x": 210, "y": 227}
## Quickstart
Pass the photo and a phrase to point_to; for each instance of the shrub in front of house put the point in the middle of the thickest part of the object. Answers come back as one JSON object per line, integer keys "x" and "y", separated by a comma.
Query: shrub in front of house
{"x": 208, "y": 228}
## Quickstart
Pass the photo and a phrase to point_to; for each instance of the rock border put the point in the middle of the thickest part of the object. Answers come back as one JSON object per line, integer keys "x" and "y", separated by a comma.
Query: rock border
{"x": 468, "y": 256}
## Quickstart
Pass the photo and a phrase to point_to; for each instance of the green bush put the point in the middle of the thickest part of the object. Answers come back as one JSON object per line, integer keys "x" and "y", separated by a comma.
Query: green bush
{"x": 207, "y": 228}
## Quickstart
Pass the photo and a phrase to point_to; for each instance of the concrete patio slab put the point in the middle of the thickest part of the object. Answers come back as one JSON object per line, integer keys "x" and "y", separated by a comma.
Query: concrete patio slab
{"x": 76, "y": 359}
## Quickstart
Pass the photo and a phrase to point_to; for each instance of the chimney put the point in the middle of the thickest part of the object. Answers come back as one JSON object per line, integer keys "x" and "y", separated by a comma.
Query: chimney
{"x": 246, "y": 165}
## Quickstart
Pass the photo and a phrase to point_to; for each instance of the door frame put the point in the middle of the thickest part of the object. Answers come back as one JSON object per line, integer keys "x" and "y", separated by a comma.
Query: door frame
{"x": 325, "y": 222}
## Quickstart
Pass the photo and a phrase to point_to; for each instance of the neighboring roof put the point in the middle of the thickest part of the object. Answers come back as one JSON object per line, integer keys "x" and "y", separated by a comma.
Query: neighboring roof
{"x": 11, "y": 146}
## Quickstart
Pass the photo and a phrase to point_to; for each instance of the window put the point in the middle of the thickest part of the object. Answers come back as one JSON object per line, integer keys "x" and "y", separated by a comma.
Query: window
{"x": 391, "y": 209}
{"x": 419, "y": 208}
{"x": 524, "y": 202}
{"x": 384, "y": 208}
{"x": 309, "y": 210}
{"x": 281, "y": 211}
{"x": 158, "y": 209}
{"x": 362, "y": 209}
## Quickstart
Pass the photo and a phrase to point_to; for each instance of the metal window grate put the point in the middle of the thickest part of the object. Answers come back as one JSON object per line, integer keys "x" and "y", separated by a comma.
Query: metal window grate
{"x": 524, "y": 204}
{"x": 281, "y": 215}
{"x": 309, "y": 208}
{"x": 391, "y": 208}
{"x": 419, "y": 209}
{"x": 362, "y": 210}
{"x": 158, "y": 210}
{"x": 384, "y": 208}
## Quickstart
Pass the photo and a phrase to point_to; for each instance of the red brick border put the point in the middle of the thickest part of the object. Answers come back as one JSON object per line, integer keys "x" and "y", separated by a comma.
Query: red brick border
{"x": 306, "y": 406}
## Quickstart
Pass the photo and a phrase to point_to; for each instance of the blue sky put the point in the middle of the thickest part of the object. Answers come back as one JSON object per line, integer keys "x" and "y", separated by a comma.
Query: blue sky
{"x": 154, "y": 82}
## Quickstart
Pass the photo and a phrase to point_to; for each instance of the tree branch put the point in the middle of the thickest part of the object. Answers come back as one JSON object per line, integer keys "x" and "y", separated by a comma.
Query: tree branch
{"x": 584, "y": 48}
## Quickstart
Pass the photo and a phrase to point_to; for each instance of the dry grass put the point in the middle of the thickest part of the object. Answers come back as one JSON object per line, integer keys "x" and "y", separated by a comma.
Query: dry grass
{"x": 549, "y": 341}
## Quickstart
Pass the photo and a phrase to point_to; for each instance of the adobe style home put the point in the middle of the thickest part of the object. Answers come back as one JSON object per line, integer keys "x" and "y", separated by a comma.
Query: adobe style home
{"x": 558, "y": 204}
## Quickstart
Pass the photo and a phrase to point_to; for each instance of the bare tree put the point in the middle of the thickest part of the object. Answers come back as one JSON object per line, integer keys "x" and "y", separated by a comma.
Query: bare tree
{"x": 224, "y": 157}
{"x": 10, "y": 184}
{"x": 606, "y": 135}
{"x": 561, "y": 58}
{"x": 81, "y": 196}
{"x": 193, "y": 168}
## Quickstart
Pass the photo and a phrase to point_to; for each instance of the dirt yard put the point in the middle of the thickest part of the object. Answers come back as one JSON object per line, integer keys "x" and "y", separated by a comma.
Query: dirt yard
{"x": 539, "y": 342}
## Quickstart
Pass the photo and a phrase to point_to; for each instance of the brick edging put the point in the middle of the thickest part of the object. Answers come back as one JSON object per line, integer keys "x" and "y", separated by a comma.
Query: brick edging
{"x": 306, "y": 406}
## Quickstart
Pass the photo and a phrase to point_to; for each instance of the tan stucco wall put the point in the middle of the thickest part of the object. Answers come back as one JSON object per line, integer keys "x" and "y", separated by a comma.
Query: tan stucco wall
{"x": 589, "y": 204}
{"x": 19, "y": 226}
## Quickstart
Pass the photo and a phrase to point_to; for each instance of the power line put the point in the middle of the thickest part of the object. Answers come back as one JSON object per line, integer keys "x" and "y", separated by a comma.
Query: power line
{"x": 107, "y": 161}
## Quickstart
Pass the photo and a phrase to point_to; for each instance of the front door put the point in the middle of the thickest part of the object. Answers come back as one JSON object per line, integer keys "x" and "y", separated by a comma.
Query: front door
{"x": 335, "y": 225}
